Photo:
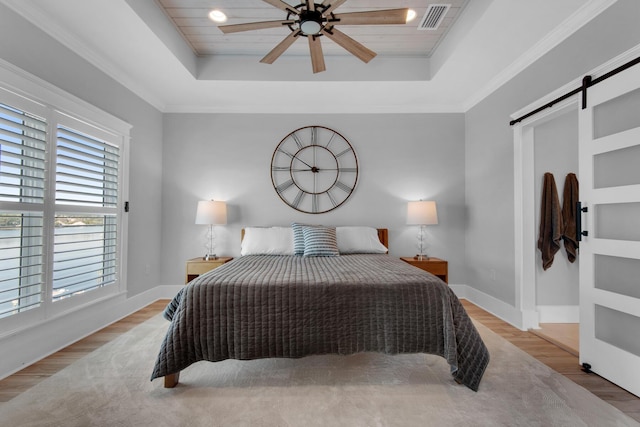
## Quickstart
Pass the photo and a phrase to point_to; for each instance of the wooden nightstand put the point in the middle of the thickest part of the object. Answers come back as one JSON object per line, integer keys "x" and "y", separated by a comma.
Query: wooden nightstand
{"x": 198, "y": 266}
{"x": 436, "y": 266}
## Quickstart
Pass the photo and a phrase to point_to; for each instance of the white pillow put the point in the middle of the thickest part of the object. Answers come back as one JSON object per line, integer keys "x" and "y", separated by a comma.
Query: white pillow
{"x": 359, "y": 240}
{"x": 267, "y": 241}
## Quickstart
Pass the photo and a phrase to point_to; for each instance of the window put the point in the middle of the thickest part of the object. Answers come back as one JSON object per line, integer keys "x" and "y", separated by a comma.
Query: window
{"x": 62, "y": 192}
{"x": 22, "y": 182}
{"x": 86, "y": 200}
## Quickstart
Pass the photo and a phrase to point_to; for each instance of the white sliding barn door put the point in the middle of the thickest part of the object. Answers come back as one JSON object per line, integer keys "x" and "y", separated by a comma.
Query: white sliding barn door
{"x": 609, "y": 175}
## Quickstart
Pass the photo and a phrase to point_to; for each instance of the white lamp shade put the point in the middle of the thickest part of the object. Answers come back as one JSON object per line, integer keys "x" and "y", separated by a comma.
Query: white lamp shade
{"x": 211, "y": 212}
{"x": 423, "y": 212}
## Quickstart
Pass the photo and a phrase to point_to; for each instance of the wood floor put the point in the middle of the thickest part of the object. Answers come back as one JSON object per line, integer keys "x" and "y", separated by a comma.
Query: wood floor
{"x": 28, "y": 377}
{"x": 564, "y": 335}
{"x": 543, "y": 350}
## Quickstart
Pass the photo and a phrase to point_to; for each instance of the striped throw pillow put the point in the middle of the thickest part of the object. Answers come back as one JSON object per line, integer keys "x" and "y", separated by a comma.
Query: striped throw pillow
{"x": 298, "y": 238}
{"x": 320, "y": 241}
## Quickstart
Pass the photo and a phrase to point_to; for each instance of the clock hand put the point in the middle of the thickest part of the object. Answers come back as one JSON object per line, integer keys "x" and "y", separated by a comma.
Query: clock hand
{"x": 339, "y": 169}
{"x": 302, "y": 161}
{"x": 293, "y": 157}
{"x": 313, "y": 169}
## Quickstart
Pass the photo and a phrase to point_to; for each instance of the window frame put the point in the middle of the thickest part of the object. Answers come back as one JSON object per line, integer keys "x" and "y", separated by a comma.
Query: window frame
{"x": 32, "y": 107}
{"x": 21, "y": 90}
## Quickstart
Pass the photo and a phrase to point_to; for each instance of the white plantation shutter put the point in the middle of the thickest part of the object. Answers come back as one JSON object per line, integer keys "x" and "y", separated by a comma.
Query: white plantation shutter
{"x": 63, "y": 167}
{"x": 86, "y": 198}
{"x": 86, "y": 170}
{"x": 22, "y": 183}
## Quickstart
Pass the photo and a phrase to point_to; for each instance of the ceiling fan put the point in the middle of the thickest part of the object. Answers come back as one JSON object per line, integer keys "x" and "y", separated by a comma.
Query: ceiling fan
{"x": 313, "y": 20}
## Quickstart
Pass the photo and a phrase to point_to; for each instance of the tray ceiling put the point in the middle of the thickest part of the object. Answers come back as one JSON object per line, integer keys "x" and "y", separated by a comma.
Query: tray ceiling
{"x": 138, "y": 44}
{"x": 191, "y": 19}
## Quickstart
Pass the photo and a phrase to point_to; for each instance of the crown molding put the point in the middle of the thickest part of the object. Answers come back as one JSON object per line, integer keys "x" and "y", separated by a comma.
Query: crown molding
{"x": 570, "y": 25}
{"x": 34, "y": 15}
{"x": 289, "y": 109}
{"x": 27, "y": 85}
{"x": 37, "y": 17}
{"x": 610, "y": 65}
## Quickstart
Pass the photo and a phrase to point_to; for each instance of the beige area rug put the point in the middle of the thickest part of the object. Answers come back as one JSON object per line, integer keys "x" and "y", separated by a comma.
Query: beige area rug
{"x": 111, "y": 387}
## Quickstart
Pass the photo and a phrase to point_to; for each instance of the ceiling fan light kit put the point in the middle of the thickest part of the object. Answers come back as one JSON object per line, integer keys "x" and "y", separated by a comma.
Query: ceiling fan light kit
{"x": 313, "y": 20}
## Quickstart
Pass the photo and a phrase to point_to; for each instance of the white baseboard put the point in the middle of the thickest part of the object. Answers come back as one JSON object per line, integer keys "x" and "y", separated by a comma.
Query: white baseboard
{"x": 498, "y": 308}
{"x": 20, "y": 350}
{"x": 558, "y": 313}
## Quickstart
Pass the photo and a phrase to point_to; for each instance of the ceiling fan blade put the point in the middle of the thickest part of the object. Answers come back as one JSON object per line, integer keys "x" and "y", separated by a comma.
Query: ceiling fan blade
{"x": 235, "y": 28}
{"x": 310, "y": 5}
{"x": 317, "y": 58}
{"x": 280, "y": 48}
{"x": 374, "y": 17}
{"x": 333, "y": 4}
{"x": 355, "y": 48}
{"x": 282, "y": 5}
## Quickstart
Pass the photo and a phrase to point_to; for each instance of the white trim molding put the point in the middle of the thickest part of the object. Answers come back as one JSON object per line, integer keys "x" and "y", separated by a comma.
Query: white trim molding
{"x": 570, "y": 25}
{"x": 498, "y": 308}
{"x": 524, "y": 210}
{"x": 16, "y": 79}
{"x": 44, "y": 339}
{"x": 33, "y": 14}
{"x": 524, "y": 185}
{"x": 614, "y": 63}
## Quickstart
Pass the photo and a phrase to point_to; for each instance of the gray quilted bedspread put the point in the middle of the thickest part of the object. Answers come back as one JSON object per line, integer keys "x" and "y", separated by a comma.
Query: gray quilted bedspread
{"x": 293, "y": 306}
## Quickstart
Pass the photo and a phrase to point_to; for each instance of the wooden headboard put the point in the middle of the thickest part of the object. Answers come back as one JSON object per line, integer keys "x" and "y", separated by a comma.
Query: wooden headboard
{"x": 383, "y": 235}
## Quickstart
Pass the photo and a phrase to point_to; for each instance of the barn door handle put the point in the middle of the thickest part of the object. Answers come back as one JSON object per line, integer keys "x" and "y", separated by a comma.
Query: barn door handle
{"x": 579, "y": 231}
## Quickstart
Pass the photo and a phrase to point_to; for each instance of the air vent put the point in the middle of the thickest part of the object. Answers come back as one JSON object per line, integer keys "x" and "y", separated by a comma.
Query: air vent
{"x": 433, "y": 16}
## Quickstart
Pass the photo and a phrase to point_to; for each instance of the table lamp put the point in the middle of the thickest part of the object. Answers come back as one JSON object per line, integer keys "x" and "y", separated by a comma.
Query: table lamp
{"x": 422, "y": 212}
{"x": 211, "y": 213}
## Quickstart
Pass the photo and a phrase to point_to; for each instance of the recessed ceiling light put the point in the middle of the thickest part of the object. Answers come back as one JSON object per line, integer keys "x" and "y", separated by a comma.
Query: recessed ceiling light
{"x": 411, "y": 15}
{"x": 217, "y": 16}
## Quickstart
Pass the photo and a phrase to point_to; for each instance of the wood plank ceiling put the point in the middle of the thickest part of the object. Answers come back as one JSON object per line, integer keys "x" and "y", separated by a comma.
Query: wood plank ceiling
{"x": 191, "y": 19}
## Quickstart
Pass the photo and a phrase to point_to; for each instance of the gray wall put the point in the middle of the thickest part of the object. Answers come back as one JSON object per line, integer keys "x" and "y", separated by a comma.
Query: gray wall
{"x": 556, "y": 151}
{"x": 402, "y": 157}
{"x": 39, "y": 54}
{"x": 489, "y": 142}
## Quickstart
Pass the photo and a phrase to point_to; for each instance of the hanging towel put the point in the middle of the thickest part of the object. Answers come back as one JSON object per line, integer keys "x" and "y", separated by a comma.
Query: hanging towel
{"x": 570, "y": 197}
{"x": 551, "y": 225}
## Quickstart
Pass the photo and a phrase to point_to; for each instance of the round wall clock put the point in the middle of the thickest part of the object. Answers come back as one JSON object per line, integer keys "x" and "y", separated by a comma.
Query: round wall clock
{"x": 314, "y": 169}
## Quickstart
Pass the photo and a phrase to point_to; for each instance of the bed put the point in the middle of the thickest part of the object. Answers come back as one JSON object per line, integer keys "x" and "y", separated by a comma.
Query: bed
{"x": 285, "y": 305}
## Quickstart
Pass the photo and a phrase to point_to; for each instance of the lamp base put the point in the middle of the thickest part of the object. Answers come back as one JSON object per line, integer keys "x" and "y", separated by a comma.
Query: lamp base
{"x": 208, "y": 257}
{"x": 421, "y": 257}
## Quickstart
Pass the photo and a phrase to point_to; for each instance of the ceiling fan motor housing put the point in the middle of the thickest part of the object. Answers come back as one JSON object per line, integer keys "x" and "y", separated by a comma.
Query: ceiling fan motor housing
{"x": 311, "y": 22}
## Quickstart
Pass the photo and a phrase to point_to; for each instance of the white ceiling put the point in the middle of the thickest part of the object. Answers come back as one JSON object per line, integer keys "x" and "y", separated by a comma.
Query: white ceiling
{"x": 190, "y": 17}
{"x": 137, "y": 44}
